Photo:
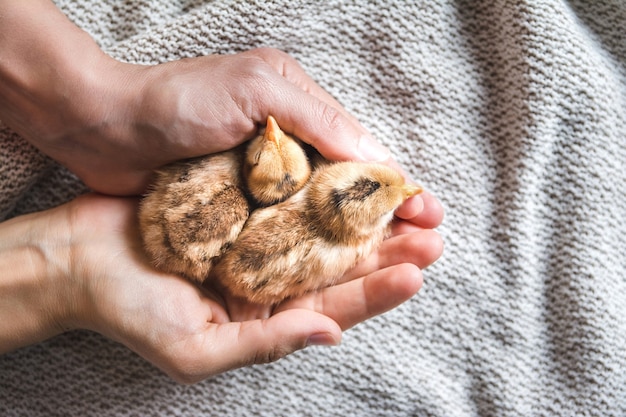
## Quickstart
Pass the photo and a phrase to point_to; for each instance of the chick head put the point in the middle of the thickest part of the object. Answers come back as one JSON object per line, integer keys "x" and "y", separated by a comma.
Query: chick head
{"x": 354, "y": 198}
{"x": 276, "y": 166}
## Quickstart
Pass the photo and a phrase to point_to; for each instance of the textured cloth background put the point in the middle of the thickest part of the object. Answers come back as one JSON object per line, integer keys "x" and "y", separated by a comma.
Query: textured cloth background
{"x": 512, "y": 113}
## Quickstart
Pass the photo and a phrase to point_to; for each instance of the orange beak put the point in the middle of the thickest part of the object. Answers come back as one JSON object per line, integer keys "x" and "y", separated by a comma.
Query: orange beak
{"x": 273, "y": 132}
{"x": 410, "y": 190}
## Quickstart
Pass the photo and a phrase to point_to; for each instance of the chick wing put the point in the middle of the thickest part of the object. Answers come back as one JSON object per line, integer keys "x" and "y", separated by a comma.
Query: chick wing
{"x": 194, "y": 211}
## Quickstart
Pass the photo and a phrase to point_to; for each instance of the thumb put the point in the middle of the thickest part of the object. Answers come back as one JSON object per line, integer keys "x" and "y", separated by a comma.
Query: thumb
{"x": 306, "y": 110}
{"x": 234, "y": 345}
{"x": 328, "y": 129}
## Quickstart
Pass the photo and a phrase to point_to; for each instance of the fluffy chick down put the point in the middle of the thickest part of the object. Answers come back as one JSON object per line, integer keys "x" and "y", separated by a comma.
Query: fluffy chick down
{"x": 194, "y": 211}
{"x": 311, "y": 239}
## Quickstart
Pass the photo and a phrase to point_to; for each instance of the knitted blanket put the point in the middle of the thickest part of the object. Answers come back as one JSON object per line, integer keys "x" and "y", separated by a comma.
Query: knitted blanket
{"x": 512, "y": 113}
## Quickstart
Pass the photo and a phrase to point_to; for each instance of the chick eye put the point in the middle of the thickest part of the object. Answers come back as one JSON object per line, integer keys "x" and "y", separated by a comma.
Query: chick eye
{"x": 359, "y": 191}
{"x": 257, "y": 157}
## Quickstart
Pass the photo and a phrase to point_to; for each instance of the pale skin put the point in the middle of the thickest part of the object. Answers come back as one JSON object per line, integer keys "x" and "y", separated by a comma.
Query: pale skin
{"x": 81, "y": 265}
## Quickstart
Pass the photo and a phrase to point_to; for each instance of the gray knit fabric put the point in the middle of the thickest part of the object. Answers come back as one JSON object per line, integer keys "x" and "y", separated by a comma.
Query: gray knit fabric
{"x": 512, "y": 113}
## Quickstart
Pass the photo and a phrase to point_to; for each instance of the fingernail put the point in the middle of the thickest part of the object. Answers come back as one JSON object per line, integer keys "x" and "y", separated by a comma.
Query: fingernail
{"x": 321, "y": 339}
{"x": 369, "y": 149}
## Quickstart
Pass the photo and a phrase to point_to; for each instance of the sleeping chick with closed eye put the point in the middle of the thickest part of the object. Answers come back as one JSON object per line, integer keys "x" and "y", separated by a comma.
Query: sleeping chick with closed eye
{"x": 275, "y": 167}
{"x": 311, "y": 239}
{"x": 195, "y": 209}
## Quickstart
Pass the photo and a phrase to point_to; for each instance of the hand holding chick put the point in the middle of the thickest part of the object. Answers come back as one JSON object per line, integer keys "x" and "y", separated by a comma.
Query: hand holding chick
{"x": 304, "y": 235}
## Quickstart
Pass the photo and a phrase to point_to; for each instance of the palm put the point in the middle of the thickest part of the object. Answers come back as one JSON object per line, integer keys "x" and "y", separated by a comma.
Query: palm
{"x": 193, "y": 332}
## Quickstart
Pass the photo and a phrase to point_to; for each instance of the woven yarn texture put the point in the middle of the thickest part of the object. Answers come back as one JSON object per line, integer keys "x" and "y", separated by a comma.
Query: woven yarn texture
{"x": 513, "y": 113}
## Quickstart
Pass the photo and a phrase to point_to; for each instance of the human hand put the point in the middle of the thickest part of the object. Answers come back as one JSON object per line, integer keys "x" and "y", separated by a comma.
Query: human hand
{"x": 201, "y": 105}
{"x": 113, "y": 123}
{"x": 209, "y": 104}
{"x": 244, "y": 89}
{"x": 191, "y": 332}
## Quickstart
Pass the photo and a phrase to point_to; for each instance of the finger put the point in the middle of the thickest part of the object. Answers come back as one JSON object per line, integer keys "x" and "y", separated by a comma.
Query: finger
{"x": 237, "y": 344}
{"x": 324, "y": 127}
{"x": 430, "y": 215}
{"x": 304, "y": 109}
{"x": 421, "y": 248}
{"x": 402, "y": 227}
{"x": 411, "y": 208}
{"x": 292, "y": 71}
{"x": 353, "y": 302}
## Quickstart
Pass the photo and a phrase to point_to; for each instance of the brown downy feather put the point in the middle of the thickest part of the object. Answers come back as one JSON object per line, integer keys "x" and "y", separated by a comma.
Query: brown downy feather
{"x": 194, "y": 210}
{"x": 311, "y": 239}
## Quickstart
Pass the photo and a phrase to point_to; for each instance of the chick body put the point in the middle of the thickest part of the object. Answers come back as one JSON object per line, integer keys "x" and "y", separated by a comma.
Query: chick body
{"x": 196, "y": 208}
{"x": 311, "y": 239}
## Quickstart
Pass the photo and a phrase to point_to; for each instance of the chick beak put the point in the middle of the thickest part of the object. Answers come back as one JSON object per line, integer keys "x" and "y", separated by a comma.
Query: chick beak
{"x": 410, "y": 190}
{"x": 272, "y": 132}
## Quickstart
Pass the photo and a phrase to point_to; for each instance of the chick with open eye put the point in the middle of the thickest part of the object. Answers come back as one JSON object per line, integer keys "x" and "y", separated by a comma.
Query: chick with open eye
{"x": 195, "y": 209}
{"x": 275, "y": 166}
{"x": 311, "y": 239}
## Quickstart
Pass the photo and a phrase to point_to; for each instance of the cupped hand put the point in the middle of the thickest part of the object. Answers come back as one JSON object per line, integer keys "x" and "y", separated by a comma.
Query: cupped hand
{"x": 126, "y": 120}
{"x": 192, "y": 333}
{"x": 123, "y": 121}
{"x": 112, "y": 124}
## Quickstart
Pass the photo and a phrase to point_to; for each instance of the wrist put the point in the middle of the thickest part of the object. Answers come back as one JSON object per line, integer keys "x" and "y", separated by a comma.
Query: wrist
{"x": 36, "y": 300}
{"x": 39, "y": 47}
{"x": 58, "y": 89}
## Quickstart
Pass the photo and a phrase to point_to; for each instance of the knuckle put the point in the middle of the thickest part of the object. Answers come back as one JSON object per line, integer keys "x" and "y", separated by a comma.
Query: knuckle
{"x": 185, "y": 371}
{"x": 330, "y": 117}
{"x": 257, "y": 72}
{"x": 279, "y": 60}
{"x": 184, "y": 379}
{"x": 272, "y": 355}
{"x": 269, "y": 54}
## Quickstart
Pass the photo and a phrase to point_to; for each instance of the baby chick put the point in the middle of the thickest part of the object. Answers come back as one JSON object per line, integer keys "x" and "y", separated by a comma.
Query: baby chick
{"x": 196, "y": 208}
{"x": 275, "y": 167}
{"x": 311, "y": 239}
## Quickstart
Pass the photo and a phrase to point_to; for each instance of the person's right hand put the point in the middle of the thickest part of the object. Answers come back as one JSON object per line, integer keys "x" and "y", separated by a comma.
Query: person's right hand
{"x": 149, "y": 116}
{"x": 113, "y": 123}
